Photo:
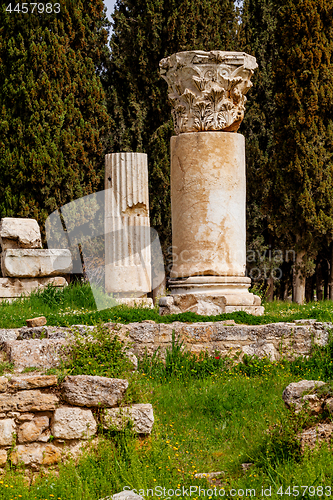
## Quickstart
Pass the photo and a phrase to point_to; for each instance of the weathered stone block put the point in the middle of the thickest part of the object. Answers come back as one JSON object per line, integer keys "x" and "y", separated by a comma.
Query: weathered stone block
{"x": 141, "y": 416}
{"x": 87, "y": 390}
{"x": 37, "y": 332}
{"x": 33, "y": 430}
{"x": 19, "y": 233}
{"x": 32, "y": 381}
{"x": 40, "y": 321}
{"x": 35, "y": 453}
{"x": 10, "y": 334}
{"x": 42, "y": 353}
{"x": 298, "y": 394}
{"x": 3, "y": 384}
{"x": 7, "y": 430}
{"x": 14, "y": 287}
{"x": 22, "y": 263}
{"x": 28, "y": 401}
{"x": 3, "y": 457}
{"x": 73, "y": 423}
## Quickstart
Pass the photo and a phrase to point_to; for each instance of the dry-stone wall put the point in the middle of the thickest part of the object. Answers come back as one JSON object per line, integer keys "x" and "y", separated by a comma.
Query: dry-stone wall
{"x": 42, "y": 420}
{"x": 43, "y": 347}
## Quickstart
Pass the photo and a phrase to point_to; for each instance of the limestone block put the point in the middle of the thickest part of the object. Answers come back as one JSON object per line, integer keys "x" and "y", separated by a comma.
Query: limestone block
{"x": 7, "y": 430}
{"x": 3, "y": 384}
{"x": 124, "y": 495}
{"x": 317, "y": 435}
{"x": 33, "y": 322}
{"x": 19, "y": 233}
{"x": 37, "y": 332}
{"x": 25, "y": 417}
{"x": 25, "y": 401}
{"x": 88, "y": 390}
{"x": 207, "y": 89}
{"x": 10, "y": 334}
{"x": 298, "y": 394}
{"x": 14, "y": 287}
{"x": 141, "y": 416}
{"x": 262, "y": 350}
{"x": 21, "y": 263}
{"x": 32, "y": 381}
{"x": 73, "y": 423}
{"x": 33, "y": 430}
{"x": 3, "y": 457}
{"x": 35, "y": 454}
{"x": 44, "y": 353}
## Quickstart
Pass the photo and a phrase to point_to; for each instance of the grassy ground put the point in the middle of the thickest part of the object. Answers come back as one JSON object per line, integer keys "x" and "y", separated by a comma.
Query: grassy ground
{"x": 75, "y": 305}
{"x": 210, "y": 416}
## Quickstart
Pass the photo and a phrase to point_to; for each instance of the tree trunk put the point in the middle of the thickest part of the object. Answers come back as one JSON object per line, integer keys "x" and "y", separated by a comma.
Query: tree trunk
{"x": 299, "y": 279}
{"x": 319, "y": 280}
{"x": 270, "y": 289}
{"x": 331, "y": 274}
{"x": 309, "y": 289}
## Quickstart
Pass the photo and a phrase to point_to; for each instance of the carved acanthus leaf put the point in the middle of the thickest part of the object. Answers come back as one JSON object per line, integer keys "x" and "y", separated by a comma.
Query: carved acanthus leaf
{"x": 207, "y": 89}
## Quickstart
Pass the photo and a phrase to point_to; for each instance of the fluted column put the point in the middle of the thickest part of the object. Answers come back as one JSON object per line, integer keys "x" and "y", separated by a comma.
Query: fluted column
{"x": 127, "y": 236}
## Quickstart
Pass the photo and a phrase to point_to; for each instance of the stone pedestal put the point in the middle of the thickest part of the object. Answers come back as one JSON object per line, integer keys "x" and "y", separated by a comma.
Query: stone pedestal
{"x": 127, "y": 227}
{"x": 208, "y": 183}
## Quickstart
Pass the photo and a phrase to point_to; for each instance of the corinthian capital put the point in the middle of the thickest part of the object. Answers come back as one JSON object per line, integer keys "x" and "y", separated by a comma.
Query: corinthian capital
{"x": 207, "y": 89}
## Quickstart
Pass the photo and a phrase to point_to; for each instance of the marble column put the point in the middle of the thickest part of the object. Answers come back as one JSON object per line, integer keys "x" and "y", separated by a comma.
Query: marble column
{"x": 127, "y": 227}
{"x": 208, "y": 184}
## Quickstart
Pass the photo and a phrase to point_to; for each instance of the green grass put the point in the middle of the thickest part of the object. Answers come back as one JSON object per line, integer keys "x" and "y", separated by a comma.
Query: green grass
{"x": 75, "y": 304}
{"x": 209, "y": 416}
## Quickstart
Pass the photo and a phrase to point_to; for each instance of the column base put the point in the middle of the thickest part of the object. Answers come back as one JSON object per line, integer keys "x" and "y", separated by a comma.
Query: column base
{"x": 210, "y": 296}
{"x": 136, "y": 302}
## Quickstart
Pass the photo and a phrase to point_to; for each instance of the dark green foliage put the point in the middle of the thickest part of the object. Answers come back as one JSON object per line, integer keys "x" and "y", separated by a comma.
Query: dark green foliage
{"x": 145, "y": 32}
{"x": 257, "y": 37}
{"x": 299, "y": 203}
{"x": 52, "y": 112}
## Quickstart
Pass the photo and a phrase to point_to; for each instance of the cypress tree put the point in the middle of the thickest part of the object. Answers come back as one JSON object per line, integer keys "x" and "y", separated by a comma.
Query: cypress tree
{"x": 300, "y": 202}
{"x": 144, "y": 32}
{"x": 257, "y": 37}
{"x": 52, "y": 112}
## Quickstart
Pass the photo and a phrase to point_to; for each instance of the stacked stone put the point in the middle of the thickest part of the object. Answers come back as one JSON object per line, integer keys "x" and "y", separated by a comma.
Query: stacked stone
{"x": 25, "y": 266}
{"x": 32, "y": 415}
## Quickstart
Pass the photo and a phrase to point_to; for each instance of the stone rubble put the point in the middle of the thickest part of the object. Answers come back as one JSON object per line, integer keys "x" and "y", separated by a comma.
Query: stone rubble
{"x": 315, "y": 398}
{"x": 299, "y": 395}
